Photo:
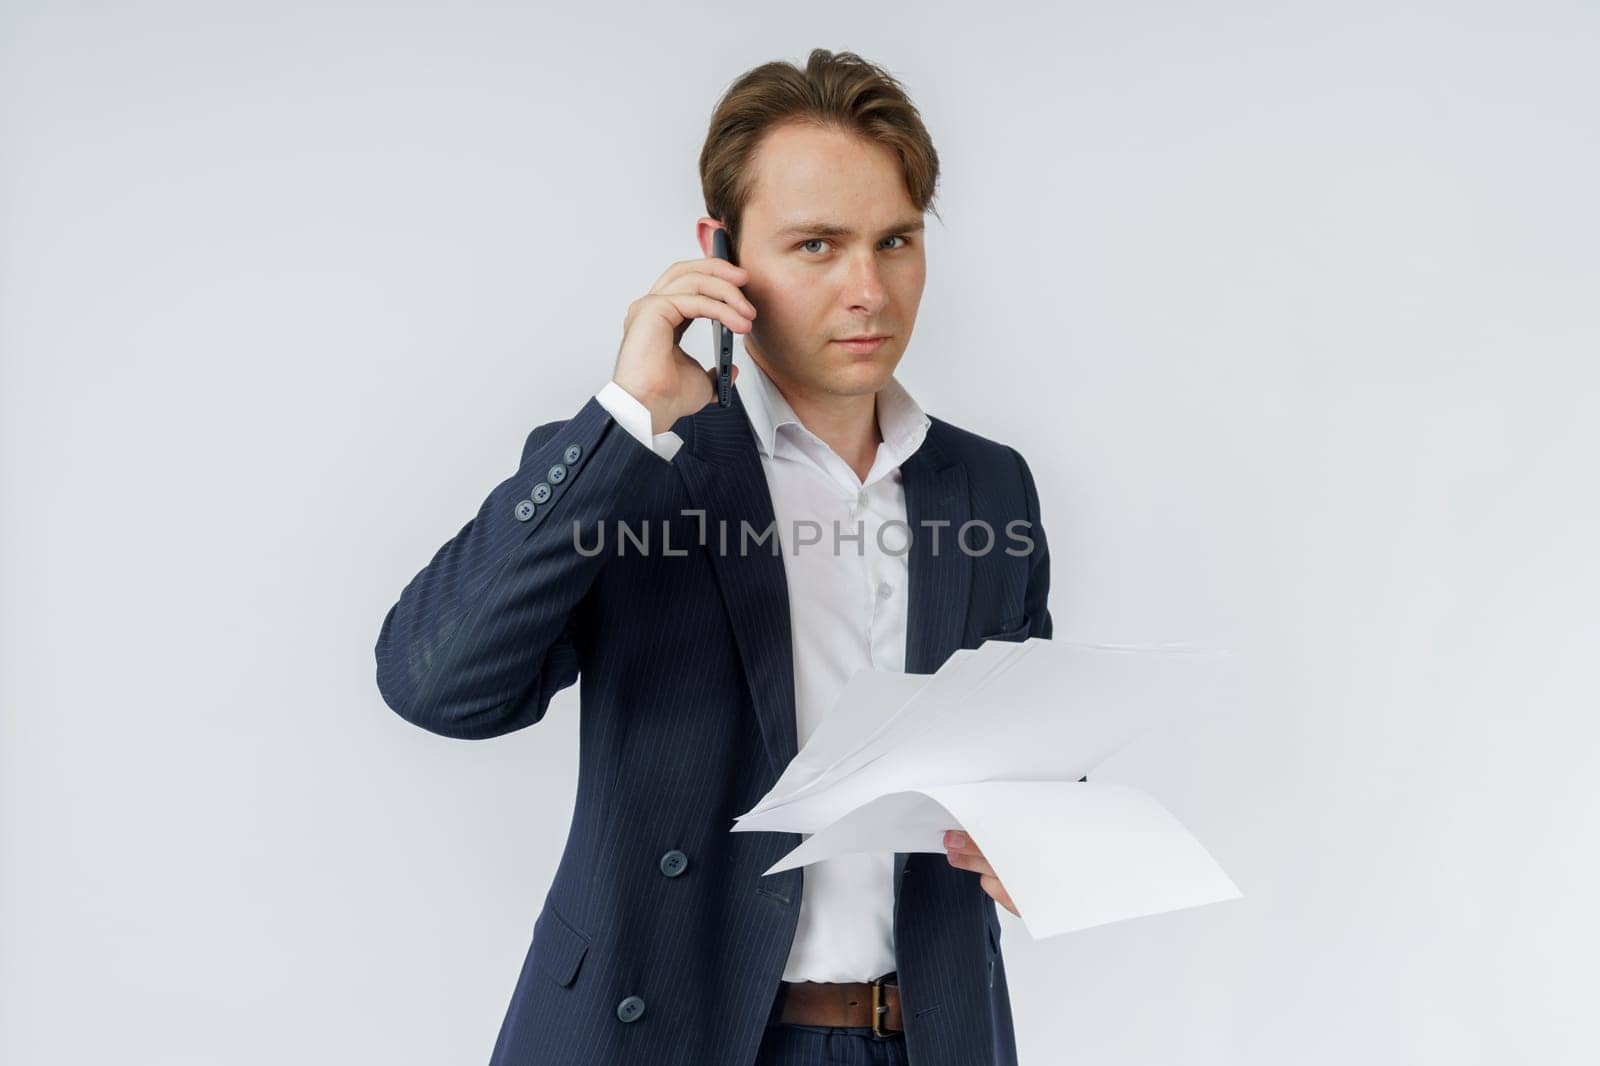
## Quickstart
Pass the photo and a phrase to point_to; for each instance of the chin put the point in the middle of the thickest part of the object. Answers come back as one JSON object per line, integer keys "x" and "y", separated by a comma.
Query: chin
{"x": 864, "y": 376}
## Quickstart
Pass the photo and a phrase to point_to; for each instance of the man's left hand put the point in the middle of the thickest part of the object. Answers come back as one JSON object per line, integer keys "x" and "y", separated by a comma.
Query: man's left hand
{"x": 966, "y": 855}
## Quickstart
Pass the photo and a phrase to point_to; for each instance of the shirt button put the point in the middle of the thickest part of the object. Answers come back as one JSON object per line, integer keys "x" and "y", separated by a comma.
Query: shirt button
{"x": 884, "y": 591}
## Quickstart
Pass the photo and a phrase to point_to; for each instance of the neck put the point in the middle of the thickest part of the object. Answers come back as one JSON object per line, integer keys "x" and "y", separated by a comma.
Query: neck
{"x": 847, "y": 424}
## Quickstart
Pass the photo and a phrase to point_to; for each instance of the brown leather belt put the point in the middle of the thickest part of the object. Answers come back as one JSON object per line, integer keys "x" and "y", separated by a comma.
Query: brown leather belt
{"x": 841, "y": 1003}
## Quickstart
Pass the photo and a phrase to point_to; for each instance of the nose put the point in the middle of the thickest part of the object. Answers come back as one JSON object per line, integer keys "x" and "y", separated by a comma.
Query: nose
{"x": 864, "y": 286}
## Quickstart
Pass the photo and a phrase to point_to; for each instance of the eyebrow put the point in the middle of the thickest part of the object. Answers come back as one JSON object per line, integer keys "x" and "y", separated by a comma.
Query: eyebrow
{"x": 824, "y": 228}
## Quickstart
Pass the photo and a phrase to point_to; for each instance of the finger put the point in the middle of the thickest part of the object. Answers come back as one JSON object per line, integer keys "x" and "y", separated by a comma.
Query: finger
{"x": 963, "y": 860}
{"x": 956, "y": 841}
{"x": 721, "y": 288}
{"x": 679, "y": 307}
{"x": 709, "y": 265}
{"x": 998, "y": 892}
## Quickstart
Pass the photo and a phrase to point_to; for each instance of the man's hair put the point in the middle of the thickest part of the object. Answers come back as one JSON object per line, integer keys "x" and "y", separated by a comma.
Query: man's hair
{"x": 836, "y": 90}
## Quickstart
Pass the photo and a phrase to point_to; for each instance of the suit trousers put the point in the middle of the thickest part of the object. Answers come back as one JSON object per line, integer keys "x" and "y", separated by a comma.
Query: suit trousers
{"x": 788, "y": 1044}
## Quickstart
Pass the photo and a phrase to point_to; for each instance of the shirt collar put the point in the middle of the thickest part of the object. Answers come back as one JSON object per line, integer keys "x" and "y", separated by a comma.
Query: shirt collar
{"x": 901, "y": 419}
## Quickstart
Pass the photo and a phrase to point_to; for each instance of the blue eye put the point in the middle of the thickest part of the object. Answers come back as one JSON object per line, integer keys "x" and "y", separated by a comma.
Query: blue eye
{"x": 823, "y": 240}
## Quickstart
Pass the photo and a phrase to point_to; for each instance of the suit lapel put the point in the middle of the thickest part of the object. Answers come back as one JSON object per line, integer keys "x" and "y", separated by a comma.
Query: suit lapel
{"x": 937, "y": 504}
{"x": 721, "y": 469}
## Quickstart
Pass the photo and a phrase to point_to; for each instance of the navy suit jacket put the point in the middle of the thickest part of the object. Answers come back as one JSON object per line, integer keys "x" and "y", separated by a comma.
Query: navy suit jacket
{"x": 687, "y": 717}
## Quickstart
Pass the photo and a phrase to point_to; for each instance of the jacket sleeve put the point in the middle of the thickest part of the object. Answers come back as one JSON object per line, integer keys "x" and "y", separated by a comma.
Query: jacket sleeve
{"x": 482, "y": 637}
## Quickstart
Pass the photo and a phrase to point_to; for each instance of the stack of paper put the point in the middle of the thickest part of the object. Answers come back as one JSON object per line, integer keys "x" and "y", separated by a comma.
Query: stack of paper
{"x": 994, "y": 744}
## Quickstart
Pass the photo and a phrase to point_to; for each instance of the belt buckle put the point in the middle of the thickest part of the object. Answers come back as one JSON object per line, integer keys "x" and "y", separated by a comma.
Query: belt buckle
{"x": 880, "y": 1009}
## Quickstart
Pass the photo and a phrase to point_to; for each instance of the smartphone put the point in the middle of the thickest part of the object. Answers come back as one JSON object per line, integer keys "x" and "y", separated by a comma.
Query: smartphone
{"x": 724, "y": 336}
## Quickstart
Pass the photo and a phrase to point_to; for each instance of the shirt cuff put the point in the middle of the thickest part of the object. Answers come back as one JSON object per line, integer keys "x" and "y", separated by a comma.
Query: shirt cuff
{"x": 634, "y": 417}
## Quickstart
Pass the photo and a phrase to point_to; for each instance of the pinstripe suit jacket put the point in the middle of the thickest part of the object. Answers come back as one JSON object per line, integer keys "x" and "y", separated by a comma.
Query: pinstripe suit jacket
{"x": 687, "y": 718}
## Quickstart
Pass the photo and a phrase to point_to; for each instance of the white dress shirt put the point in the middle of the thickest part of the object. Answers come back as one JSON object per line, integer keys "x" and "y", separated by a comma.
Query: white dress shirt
{"x": 847, "y": 612}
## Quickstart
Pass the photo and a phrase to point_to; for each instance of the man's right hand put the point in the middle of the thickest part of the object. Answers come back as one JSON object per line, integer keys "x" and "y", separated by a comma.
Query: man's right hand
{"x": 650, "y": 365}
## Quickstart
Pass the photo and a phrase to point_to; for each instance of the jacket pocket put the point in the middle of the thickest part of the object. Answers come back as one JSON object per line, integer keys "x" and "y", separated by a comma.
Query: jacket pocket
{"x": 1016, "y": 630}
{"x": 558, "y": 948}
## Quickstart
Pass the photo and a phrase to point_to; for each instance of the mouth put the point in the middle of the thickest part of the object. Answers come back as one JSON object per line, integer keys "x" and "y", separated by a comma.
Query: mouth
{"x": 865, "y": 343}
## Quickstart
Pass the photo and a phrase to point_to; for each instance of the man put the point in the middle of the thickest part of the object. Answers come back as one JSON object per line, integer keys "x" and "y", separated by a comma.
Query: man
{"x": 819, "y": 525}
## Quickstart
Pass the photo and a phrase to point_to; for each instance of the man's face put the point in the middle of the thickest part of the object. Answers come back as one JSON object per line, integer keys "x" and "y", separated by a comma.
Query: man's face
{"x": 834, "y": 249}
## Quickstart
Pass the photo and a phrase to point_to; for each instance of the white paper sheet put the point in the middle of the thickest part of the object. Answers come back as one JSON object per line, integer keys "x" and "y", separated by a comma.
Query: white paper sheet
{"x": 1085, "y": 854}
{"x": 995, "y": 742}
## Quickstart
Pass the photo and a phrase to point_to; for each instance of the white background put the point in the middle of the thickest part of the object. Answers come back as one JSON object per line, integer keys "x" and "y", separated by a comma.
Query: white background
{"x": 1292, "y": 309}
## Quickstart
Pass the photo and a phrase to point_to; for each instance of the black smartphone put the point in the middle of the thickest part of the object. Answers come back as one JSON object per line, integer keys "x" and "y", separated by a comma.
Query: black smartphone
{"x": 724, "y": 343}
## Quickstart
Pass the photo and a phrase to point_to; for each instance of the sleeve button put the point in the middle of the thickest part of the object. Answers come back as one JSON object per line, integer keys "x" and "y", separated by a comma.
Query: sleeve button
{"x": 524, "y": 510}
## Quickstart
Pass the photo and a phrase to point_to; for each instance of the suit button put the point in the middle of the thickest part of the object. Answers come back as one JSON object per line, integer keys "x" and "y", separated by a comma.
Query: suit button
{"x": 631, "y": 1009}
{"x": 525, "y": 510}
{"x": 557, "y": 474}
{"x": 674, "y": 863}
{"x": 541, "y": 493}
{"x": 571, "y": 455}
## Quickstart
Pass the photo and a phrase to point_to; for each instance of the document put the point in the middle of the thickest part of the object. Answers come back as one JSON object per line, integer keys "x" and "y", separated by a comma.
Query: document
{"x": 994, "y": 744}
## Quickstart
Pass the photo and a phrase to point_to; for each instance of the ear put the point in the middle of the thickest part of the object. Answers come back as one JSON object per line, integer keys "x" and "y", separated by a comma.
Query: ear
{"x": 703, "y": 230}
